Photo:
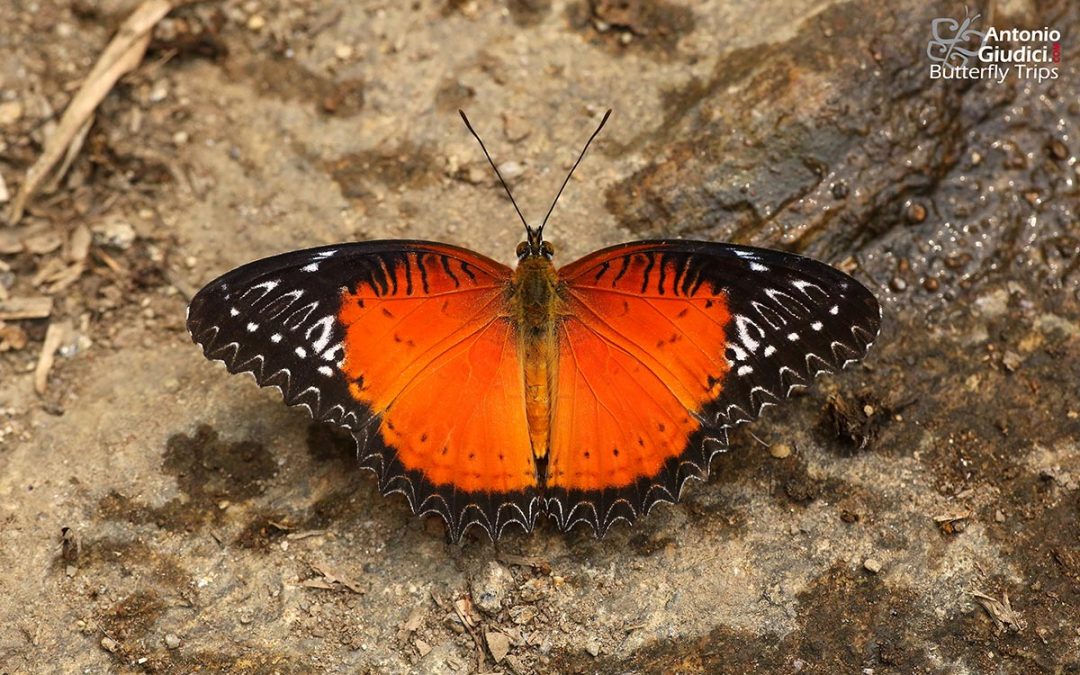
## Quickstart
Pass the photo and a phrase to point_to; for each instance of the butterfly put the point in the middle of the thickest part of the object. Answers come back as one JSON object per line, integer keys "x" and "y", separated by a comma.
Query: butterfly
{"x": 490, "y": 396}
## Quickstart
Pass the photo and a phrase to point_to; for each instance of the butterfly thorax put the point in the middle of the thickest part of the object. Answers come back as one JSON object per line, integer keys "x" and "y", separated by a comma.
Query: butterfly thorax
{"x": 536, "y": 306}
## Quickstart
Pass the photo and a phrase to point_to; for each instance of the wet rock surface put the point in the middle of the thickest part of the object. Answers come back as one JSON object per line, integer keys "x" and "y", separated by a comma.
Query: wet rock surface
{"x": 918, "y": 513}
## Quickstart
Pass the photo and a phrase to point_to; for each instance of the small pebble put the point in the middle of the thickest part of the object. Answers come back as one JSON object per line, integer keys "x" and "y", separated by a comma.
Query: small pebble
{"x": 898, "y": 284}
{"x": 999, "y": 516}
{"x": 515, "y": 128}
{"x": 491, "y": 588}
{"x": 593, "y": 648}
{"x": 110, "y": 645}
{"x": 172, "y": 641}
{"x": 840, "y": 190}
{"x": 1058, "y": 150}
{"x": 1011, "y": 360}
{"x": 872, "y": 565}
{"x": 10, "y": 112}
{"x": 115, "y": 233}
{"x": 916, "y": 212}
{"x": 256, "y": 23}
{"x": 780, "y": 450}
{"x": 343, "y": 52}
{"x": 511, "y": 170}
{"x": 498, "y": 645}
{"x": 180, "y": 138}
{"x": 159, "y": 93}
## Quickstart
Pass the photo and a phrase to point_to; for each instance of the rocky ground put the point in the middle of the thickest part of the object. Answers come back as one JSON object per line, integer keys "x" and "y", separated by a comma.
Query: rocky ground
{"x": 919, "y": 513}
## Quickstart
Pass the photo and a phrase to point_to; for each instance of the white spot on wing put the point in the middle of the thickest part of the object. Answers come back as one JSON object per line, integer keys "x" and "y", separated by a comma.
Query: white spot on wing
{"x": 234, "y": 311}
{"x": 276, "y": 337}
{"x": 816, "y": 325}
{"x": 326, "y": 370}
{"x": 743, "y": 324}
{"x": 326, "y": 324}
{"x": 313, "y": 267}
{"x": 252, "y": 327}
{"x": 769, "y": 350}
{"x": 803, "y": 285}
{"x": 744, "y": 370}
{"x": 299, "y": 316}
{"x": 793, "y": 336}
{"x": 301, "y": 352}
{"x": 758, "y": 267}
{"x": 265, "y": 287}
{"x": 834, "y": 310}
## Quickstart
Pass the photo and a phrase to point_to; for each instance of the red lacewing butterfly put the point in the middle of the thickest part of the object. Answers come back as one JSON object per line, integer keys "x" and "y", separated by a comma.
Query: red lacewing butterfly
{"x": 489, "y": 395}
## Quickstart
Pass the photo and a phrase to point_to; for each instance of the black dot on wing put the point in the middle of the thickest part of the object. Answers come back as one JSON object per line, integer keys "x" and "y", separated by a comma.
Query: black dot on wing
{"x": 586, "y": 454}
{"x": 423, "y": 438}
{"x": 615, "y": 452}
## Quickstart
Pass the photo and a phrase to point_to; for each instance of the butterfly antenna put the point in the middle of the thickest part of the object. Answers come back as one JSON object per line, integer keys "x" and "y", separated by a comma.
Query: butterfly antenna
{"x": 571, "y": 172}
{"x": 492, "y": 163}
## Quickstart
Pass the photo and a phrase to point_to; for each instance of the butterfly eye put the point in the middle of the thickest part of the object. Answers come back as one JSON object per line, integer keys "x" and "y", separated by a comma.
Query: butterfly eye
{"x": 546, "y": 249}
{"x": 522, "y": 249}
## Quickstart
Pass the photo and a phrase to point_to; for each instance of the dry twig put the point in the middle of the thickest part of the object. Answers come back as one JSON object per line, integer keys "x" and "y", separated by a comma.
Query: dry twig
{"x": 1001, "y": 611}
{"x": 37, "y": 307}
{"x": 56, "y": 335}
{"x": 123, "y": 55}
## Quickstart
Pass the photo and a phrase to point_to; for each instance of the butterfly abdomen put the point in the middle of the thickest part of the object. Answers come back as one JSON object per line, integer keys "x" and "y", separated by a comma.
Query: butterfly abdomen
{"x": 535, "y": 305}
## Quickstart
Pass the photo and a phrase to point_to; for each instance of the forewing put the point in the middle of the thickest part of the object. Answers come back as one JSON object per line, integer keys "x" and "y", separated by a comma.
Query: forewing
{"x": 407, "y": 344}
{"x": 665, "y": 345}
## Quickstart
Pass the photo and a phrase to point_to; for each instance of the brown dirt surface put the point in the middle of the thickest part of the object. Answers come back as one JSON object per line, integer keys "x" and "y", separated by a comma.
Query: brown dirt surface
{"x": 923, "y": 516}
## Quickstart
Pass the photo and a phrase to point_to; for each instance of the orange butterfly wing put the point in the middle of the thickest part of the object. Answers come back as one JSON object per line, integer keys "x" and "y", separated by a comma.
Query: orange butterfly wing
{"x": 408, "y": 344}
{"x": 664, "y": 345}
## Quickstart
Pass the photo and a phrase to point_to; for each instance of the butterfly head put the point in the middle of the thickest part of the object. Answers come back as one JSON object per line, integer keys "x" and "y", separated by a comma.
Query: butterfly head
{"x": 535, "y": 247}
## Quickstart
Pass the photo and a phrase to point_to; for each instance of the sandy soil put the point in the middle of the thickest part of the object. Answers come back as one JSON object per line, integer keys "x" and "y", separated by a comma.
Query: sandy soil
{"x": 919, "y": 513}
